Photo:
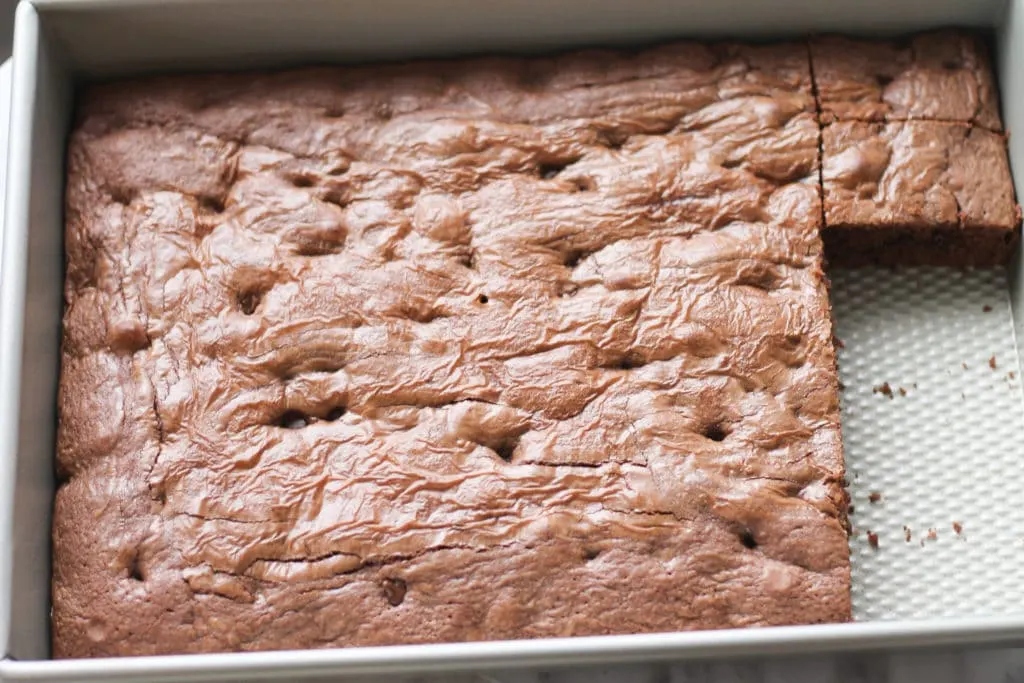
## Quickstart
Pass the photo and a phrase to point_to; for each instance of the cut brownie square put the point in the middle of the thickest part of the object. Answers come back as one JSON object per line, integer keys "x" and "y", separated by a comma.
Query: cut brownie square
{"x": 917, "y": 193}
{"x": 443, "y": 352}
{"x": 942, "y": 76}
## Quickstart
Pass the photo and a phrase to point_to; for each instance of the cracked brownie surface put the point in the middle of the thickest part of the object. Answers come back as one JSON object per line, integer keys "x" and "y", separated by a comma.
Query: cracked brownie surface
{"x": 935, "y": 76}
{"x": 451, "y": 351}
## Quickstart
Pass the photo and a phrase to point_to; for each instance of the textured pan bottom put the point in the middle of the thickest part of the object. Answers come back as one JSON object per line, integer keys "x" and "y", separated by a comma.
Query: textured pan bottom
{"x": 933, "y": 422}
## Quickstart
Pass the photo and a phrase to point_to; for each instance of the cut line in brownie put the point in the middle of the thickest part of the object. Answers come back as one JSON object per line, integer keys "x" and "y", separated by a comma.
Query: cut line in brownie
{"x": 904, "y": 193}
{"x": 452, "y": 351}
{"x": 937, "y": 76}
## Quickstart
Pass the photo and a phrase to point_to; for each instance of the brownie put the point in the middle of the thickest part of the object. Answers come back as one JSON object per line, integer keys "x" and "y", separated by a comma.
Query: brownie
{"x": 914, "y": 192}
{"x": 488, "y": 349}
{"x": 938, "y": 76}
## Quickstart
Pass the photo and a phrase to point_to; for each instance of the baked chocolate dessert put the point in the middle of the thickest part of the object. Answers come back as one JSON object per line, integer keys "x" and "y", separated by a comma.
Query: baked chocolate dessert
{"x": 485, "y": 349}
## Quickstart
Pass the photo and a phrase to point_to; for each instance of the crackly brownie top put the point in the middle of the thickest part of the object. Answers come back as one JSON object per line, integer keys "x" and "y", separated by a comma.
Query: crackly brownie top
{"x": 938, "y": 76}
{"x": 916, "y": 174}
{"x": 322, "y": 322}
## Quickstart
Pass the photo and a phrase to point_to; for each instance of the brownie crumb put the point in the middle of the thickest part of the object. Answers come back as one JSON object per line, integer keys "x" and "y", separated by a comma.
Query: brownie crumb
{"x": 873, "y": 540}
{"x": 906, "y": 533}
{"x": 986, "y": 308}
{"x": 903, "y": 392}
{"x": 958, "y": 528}
{"x": 963, "y": 365}
{"x": 875, "y": 496}
{"x": 883, "y": 389}
{"x": 1011, "y": 375}
{"x": 992, "y": 362}
{"x": 842, "y": 387}
{"x": 933, "y": 535}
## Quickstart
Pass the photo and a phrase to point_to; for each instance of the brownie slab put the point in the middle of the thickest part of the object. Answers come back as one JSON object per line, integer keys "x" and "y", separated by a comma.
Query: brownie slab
{"x": 940, "y": 76}
{"x": 444, "y": 352}
{"x": 917, "y": 192}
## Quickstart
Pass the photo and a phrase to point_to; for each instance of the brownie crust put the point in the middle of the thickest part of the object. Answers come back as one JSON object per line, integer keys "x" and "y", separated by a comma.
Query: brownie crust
{"x": 449, "y": 351}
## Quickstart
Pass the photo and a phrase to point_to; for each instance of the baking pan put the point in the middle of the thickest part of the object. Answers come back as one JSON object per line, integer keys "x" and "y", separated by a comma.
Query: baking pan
{"x": 933, "y": 410}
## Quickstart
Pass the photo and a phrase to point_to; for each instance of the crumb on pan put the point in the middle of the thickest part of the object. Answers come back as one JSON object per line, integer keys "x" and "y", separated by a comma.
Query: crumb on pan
{"x": 873, "y": 540}
{"x": 906, "y": 533}
{"x": 875, "y": 496}
{"x": 883, "y": 389}
{"x": 958, "y": 528}
{"x": 986, "y": 308}
{"x": 992, "y": 362}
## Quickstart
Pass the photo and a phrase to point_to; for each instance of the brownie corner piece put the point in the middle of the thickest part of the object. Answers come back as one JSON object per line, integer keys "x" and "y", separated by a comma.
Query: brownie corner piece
{"x": 940, "y": 76}
{"x": 917, "y": 192}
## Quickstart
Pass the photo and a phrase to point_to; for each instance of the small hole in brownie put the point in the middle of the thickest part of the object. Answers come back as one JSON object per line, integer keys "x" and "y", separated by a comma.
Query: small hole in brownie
{"x": 135, "y": 568}
{"x": 794, "y": 339}
{"x": 394, "y": 591}
{"x": 293, "y": 419}
{"x": 590, "y": 553}
{"x": 583, "y": 184}
{"x": 950, "y": 65}
{"x": 249, "y": 300}
{"x": 383, "y": 111}
{"x": 883, "y": 79}
{"x": 211, "y": 204}
{"x": 335, "y": 414}
{"x": 572, "y": 258}
{"x": 506, "y": 448}
{"x": 302, "y": 180}
{"x": 747, "y": 539}
{"x": 482, "y": 298}
{"x": 465, "y": 260}
{"x": 716, "y": 431}
{"x": 549, "y": 171}
{"x": 630, "y": 362}
{"x": 568, "y": 289}
{"x": 732, "y": 163}
{"x": 552, "y": 168}
{"x": 122, "y": 195}
{"x": 62, "y": 476}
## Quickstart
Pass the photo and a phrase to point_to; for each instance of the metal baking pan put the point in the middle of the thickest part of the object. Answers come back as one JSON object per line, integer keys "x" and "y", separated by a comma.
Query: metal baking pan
{"x": 943, "y": 454}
